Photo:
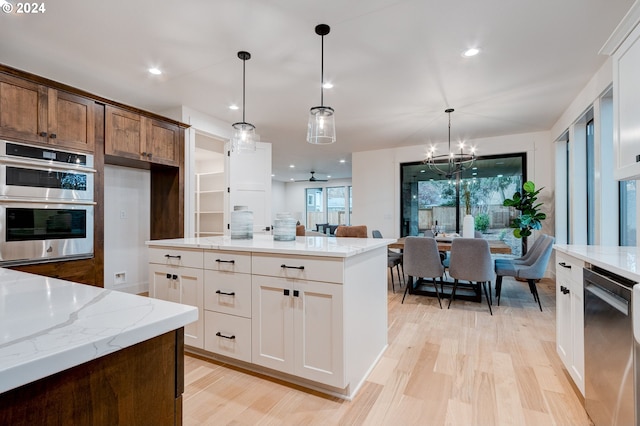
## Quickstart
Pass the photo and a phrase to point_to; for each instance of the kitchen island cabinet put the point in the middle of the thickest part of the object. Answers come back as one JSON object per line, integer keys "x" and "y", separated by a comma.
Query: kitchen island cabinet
{"x": 77, "y": 354}
{"x": 311, "y": 311}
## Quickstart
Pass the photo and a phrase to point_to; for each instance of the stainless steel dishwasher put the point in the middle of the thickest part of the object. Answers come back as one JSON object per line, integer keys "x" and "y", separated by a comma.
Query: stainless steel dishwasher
{"x": 609, "y": 348}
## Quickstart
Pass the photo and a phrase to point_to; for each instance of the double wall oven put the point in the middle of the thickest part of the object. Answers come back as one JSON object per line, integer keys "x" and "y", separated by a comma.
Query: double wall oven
{"x": 46, "y": 204}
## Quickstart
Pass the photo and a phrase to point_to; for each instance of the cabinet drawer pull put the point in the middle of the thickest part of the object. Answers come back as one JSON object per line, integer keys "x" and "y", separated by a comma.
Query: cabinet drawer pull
{"x": 564, "y": 265}
{"x": 292, "y": 267}
{"x": 232, "y": 337}
{"x": 225, "y": 293}
{"x": 168, "y": 256}
{"x": 53, "y": 136}
{"x": 168, "y": 276}
{"x": 285, "y": 292}
{"x": 175, "y": 277}
{"x": 149, "y": 155}
{"x": 43, "y": 134}
{"x": 296, "y": 293}
{"x": 144, "y": 154}
{"x": 225, "y": 261}
{"x": 564, "y": 290}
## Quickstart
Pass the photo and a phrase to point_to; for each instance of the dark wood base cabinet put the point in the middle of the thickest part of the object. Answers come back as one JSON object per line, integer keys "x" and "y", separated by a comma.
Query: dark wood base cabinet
{"x": 138, "y": 385}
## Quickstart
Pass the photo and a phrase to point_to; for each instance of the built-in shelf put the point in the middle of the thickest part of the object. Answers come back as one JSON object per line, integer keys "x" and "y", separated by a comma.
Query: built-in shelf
{"x": 209, "y": 217}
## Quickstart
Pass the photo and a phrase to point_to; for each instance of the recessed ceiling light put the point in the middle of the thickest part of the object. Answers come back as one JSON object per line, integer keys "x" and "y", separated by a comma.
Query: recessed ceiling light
{"x": 291, "y": 166}
{"x": 291, "y": 179}
{"x": 422, "y": 171}
{"x": 233, "y": 107}
{"x": 328, "y": 176}
{"x": 474, "y": 174}
{"x": 343, "y": 161}
{"x": 272, "y": 175}
{"x": 155, "y": 71}
{"x": 499, "y": 175}
{"x": 471, "y": 52}
{"x": 474, "y": 168}
{"x": 327, "y": 85}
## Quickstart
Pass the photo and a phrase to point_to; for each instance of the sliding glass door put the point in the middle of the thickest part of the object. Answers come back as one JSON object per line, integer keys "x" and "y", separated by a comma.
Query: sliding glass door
{"x": 429, "y": 199}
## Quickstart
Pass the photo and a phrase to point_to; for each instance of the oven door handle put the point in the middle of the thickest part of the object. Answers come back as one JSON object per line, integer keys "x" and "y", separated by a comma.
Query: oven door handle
{"x": 4, "y": 200}
{"x": 39, "y": 165}
{"x": 609, "y": 298}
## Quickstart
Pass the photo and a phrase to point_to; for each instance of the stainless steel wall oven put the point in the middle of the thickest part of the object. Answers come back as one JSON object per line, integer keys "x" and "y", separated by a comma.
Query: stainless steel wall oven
{"x": 46, "y": 204}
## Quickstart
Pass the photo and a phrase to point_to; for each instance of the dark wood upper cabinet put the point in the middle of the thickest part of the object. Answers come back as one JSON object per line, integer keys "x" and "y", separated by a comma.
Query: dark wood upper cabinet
{"x": 138, "y": 137}
{"x": 33, "y": 112}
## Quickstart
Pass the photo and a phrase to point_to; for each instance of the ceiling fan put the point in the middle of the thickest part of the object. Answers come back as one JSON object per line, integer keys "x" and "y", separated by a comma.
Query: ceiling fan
{"x": 312, "y": 179}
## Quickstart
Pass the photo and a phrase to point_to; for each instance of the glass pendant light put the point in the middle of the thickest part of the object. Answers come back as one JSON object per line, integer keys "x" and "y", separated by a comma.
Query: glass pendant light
{"x": 322, "y": 129}
{"x": 244, "y": 137}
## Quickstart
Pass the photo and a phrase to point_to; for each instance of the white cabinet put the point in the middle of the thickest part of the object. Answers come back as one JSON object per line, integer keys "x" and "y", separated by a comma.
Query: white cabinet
{"x": 227, "y": 303}
{"x": 297, "y": 328}
{"x": 210, "y": 207}
{"x": 177, "y": 276}
{"x": 626, "y": 85}
{"x": 570, "y": 316}
{"x": 298, "y": 316}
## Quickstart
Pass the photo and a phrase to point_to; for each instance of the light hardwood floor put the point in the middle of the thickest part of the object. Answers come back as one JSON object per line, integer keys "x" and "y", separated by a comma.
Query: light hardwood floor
{"x": 443, "y": 367}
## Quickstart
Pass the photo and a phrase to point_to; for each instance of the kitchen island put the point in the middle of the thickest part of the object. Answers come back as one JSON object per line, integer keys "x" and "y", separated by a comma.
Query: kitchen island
{"x": 311, "y": 311}
{"x": 77, "y": 354}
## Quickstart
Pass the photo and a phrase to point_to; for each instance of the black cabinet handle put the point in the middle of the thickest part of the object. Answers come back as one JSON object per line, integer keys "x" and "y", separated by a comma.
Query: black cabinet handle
{"x": 286, "y": 292}
{"x": 168, "y": 276}
{"x": 564, "y": 290}
{"x": 296, "y": 293}
{"x": 168, "y": 256}
{"x": 53, "y": 136}
{"x": 149, "y": 155}
{"x": 232, "y": 337}
{"x": 43, "y": 134}
{"x": 175, "y": 277}
{"x": 225, "y": 293}
{"x": 225, "y": 261}
{"x": 564, "y": 265}
{"x": 292, "y": 267}
{"x": 144, "y": 154}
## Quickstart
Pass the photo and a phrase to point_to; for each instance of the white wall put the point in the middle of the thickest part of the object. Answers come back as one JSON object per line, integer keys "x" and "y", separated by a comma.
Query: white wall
{"x": 127, "y": 201}
{"x": 376, "y": 177}
{"x": 278, "y": 198}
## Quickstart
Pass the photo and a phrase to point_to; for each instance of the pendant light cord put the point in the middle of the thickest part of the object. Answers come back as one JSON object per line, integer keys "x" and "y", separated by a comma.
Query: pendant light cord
{"x": 244, "y": 61}
{"x": 322, "y": 72}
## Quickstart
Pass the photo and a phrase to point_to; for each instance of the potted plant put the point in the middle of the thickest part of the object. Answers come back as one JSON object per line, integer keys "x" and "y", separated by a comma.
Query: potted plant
{"x": 531, "y": 217}
{"x": 468, "y": 222}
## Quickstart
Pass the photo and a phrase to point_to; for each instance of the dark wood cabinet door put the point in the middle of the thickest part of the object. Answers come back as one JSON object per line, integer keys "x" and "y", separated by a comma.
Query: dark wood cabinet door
{"x": 71, "y": 120}
{"x": 23, "y": 109}
{"x": 125, "y": 134}
{"x": 163, "y": 142}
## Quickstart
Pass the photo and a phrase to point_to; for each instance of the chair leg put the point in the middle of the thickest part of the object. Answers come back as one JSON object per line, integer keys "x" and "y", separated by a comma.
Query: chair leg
{"x": 393, "y": 284}
{"x": 435, "y": 285}
{"x": 398, "y": 271}
{"x": 453, "y": 292}
{"x": 489, "y": 295}
{"x": 409, "y": 283}
{"x": 498, "y": 287}
{"x": 484, "y": 287}
{"x": 532, "y": 284}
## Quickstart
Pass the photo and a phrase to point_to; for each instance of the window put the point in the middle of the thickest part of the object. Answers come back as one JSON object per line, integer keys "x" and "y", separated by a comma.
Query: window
{"x": 591, "y": 185}
{"x": 336, "y": 205}
{"x": 331, "y": 209}
{"x": 315, "y": 207}
{"x": 429, "y": 199}
{"x": 628, "y": 213}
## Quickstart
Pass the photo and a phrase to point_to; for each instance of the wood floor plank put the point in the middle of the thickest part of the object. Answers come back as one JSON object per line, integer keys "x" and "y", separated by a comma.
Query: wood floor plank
{"x": 458, "y": 366}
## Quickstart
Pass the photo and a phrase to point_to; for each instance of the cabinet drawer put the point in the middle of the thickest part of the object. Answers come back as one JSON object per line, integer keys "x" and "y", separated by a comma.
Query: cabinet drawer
{"x": 227, "y": 335}
{"x": 328, "y": 269}
{"x": 229, "y": 261}
{"x": 176, "y": 257}
{"x": 569, "y": 269}
{"x": 227, "y": 292}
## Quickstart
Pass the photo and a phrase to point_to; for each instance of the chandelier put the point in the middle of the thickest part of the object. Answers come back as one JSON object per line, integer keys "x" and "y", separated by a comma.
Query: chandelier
{"x": 451, "y": 164}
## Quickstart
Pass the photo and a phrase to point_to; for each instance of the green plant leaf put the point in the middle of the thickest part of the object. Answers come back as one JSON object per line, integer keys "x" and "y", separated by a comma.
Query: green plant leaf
{"x": 529, "y": 186}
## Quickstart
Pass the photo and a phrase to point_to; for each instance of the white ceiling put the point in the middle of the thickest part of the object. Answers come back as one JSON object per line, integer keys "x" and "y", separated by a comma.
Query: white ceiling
{"x": 395, "y": 64}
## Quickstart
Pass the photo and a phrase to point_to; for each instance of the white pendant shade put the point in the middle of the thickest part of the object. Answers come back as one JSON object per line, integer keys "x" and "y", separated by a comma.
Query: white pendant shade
{"x": 243, "y": 138}
{"x": 322, "y": 129}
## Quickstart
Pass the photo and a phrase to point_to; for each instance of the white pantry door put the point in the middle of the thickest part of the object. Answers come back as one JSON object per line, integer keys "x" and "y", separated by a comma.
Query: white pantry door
{"x": 250, "y": 184}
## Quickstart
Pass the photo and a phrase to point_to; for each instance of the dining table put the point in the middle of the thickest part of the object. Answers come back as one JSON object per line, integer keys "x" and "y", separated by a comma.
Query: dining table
{"x": 465, "y": 291}
{"x": 444, "y": 244}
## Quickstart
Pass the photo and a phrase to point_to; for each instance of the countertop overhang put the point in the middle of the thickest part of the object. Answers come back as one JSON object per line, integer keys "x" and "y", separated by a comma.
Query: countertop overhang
{"x": 48, "y": 325}
{"x": 307, "y": 246}
{"x": 619, "y": 260}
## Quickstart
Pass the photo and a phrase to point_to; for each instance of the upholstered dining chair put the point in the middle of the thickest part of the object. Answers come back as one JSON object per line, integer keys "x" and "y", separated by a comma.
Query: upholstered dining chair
{"x": 394, "y": 260}
{"x": 354, "y": 231}
{"x": 471, "y": 261}
{"x": 531, "y": 269}
{"x": 422, "y": 260}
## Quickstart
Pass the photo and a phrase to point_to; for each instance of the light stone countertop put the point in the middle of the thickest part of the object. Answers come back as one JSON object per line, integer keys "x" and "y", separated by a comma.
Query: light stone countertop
{"x": 619, "y": 260}
{"x": 48, "y": 325}
{"x": 305, "y": 246}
